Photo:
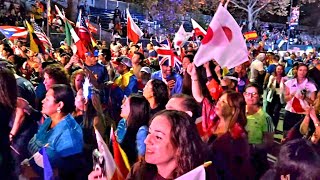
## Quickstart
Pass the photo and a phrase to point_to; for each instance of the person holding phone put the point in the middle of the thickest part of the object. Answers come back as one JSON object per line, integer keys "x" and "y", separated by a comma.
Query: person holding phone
{"x": 171, "y": 78}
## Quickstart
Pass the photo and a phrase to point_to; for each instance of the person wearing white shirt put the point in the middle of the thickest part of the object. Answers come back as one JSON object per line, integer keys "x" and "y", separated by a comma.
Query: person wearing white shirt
{"x": 300, "y": 94}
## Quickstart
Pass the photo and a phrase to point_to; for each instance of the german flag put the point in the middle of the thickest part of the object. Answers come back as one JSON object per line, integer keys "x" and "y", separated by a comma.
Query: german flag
{"x": 250, "y": 35}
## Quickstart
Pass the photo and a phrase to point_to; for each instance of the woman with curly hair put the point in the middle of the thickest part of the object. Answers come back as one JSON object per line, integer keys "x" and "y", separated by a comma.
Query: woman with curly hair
{"x": 77, "y": 79}
{"x": 173, "y": 148}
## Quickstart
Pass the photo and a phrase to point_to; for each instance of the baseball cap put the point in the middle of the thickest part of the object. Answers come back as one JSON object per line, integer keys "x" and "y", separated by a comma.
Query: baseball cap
{"x": 123, "y": 60}
{"x": 146, "y": 70}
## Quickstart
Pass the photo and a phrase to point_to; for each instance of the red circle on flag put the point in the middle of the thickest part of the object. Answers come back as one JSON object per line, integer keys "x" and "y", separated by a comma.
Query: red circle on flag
{"x": 208, "y": 37}
{"x": 227, "y": 31}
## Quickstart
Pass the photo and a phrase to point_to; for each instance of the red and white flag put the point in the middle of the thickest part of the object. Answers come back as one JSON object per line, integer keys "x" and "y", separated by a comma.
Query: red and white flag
{"x": 81, "y": 49}
{"x": 224, "y": 42}
{"x": 82, "y": 30}
{"x": 13, "y": 32}
{"x": 198, "y": 30}
{"x": 181, "y": 37}
{"x": 133, "y": 31}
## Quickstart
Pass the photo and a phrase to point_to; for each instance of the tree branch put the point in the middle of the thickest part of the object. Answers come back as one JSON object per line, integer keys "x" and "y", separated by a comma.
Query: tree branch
{"x": 238, "y": 6}
{"x": 259, "y": 9}
{"x": 254, "y": 3}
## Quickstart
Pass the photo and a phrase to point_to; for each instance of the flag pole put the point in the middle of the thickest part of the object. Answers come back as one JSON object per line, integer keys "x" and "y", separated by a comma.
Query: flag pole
{"x": 48, "y": 16}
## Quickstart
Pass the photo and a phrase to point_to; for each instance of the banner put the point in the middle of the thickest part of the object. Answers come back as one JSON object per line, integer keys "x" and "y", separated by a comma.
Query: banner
{"x": 294, "y": 16}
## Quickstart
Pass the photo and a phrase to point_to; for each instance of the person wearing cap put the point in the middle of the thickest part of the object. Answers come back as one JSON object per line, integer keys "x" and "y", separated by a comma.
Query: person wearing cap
{"x": 126, "y": 80}
{"x": 171, "y": 78}
{"x": 145, "y": 76}
{"x": 98, "y": 70}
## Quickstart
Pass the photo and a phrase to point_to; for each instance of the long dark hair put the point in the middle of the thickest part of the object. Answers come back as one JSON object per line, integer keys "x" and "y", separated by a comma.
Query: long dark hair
{"x": 160, "y": 92}
{"x": 139, "y": 111}
{"x": 190, "y": 149}
{"x": 8, "y": 90}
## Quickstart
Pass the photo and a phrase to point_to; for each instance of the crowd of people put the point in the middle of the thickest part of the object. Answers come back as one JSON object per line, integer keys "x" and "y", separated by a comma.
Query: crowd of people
{"x": 168, "y": 120}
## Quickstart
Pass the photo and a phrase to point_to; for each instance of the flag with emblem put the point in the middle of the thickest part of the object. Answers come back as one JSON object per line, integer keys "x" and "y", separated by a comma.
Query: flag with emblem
{"x": 223, "y": 42}
{"x": 13, "y": 32}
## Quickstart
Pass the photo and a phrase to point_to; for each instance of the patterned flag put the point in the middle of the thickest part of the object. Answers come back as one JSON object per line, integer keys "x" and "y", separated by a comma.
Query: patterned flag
{"x": 13, "y": 32}
{"x": 42, "y": 36}
{"x": 166, "y": 53}
{"x": 82, "y": 30}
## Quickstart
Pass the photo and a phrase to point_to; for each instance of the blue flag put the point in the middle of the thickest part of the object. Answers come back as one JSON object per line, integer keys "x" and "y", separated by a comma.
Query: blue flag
{"x": 47, "y": 169}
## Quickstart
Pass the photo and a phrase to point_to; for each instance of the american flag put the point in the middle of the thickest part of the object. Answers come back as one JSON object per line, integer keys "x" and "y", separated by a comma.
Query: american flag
{"x": 42, "y": 36}
{"x": 13, "y": 32}
{"x": 82, "y": 30}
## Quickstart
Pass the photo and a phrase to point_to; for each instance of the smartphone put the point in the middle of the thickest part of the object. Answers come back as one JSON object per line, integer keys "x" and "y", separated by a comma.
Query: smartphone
{"x": 99, "y": 162}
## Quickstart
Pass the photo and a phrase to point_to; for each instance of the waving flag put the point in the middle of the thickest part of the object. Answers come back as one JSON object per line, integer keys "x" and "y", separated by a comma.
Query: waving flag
{"x": 198, "y": 30}
{"x": 91, "y": 28}
{"x": 112, "y": 171}
{"x": 82, "y": 30}
{"x": 224, "y": 42}
{"x": 166, "y": 53}
{"x": 35, "y": 44}
{"x": 42, "y": 36}
{"x": 181, "y": 37}
{"x": 81, "y": 49}
{"x": 120, "y": 156}
{"x": 134, "y": 32}
{"x": 13, "y": 32}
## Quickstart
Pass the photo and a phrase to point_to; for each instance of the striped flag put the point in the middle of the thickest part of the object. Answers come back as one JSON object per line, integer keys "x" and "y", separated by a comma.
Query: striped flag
{"x": 250, "y": 35}
{"x": 13, "y": 32}
{"x": 35, "y": 44}
{"x": 70, "y": 33}
{"x": 133, "y": 31}
{"x": 166, "y": 53}
{"x": 42, "y": 36}
{"x": 82, "y": 30}
{"x": 120, "y": 156}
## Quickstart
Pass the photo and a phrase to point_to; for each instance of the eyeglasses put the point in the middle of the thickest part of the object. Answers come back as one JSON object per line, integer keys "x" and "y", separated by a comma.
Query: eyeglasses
{"x": 254, "y": 94}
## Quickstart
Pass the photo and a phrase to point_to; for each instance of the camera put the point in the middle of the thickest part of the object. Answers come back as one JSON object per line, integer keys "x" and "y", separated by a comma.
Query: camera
{"x": 304, "y": 92}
